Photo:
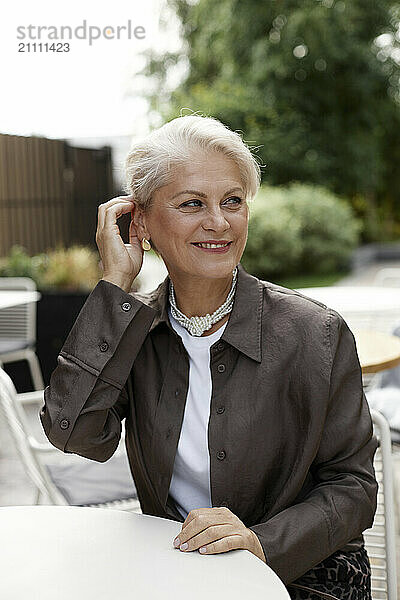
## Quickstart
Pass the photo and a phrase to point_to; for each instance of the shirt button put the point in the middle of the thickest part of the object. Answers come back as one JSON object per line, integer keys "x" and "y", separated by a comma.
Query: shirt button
{"x": 221, "y": 455}
{"x": 64, "y": 424}
{"x": 221, "y": 368}
{"x": 220, "y": 410}
{"x": 176, "y": 392}
{"x": 104, "y": 347}
{"x": 220, "y": 346}
{"x": 126, "y": 306}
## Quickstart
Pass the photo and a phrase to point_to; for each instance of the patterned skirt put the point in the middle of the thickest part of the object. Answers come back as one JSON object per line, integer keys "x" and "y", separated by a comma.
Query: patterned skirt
{"x": 341, "y": 576}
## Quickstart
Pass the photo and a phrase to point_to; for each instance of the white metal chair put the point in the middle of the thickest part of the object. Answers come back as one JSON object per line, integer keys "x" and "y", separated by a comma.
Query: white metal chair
{"x": 380, "y": 539}
{"x": 46, "y": 476}
{"x": 18, "y": 330}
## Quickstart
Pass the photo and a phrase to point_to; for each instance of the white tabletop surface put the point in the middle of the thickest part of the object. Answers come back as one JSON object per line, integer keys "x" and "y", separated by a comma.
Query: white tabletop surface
{"x": 343, "y": 298}
{"x": 15, "y": 297}
{"x": 78, "y": 553}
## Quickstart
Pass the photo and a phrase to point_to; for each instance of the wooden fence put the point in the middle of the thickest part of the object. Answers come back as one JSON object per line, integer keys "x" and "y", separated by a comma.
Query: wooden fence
{"x": 50, "y": 191}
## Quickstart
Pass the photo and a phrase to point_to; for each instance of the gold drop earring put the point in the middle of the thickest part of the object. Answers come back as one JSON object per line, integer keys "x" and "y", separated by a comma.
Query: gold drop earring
{"x": 146, "y": 244}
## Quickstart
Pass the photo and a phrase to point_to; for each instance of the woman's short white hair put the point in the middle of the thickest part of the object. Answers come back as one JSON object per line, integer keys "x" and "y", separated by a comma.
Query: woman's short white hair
{"x": 149, "y": 164}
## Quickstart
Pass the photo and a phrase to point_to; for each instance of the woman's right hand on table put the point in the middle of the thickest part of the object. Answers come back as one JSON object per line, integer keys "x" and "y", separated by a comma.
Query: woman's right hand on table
{"x": 121, "y": 262}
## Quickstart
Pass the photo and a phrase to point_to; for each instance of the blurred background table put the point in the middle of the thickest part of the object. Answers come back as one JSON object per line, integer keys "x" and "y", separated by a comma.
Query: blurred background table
{"x": 64, "y": 552}
{"x": 377, "y": 351}
{"x": 362, "y": 307}
{"x": 369, "y": 311}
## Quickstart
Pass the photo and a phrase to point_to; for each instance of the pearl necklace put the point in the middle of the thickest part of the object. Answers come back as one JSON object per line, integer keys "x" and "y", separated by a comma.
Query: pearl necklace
{"x": 198, "y": 325}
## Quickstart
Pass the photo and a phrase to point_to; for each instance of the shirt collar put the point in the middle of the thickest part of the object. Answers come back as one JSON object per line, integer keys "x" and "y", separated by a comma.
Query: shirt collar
{"x": 243, "y": 329}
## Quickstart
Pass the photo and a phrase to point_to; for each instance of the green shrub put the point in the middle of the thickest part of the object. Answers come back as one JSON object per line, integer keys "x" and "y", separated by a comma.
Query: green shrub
{"x": 274, "y": 240}
{"x": 75, "y": 268}
{"x": 299, "y": 229}
{"x": 18, "y": 264}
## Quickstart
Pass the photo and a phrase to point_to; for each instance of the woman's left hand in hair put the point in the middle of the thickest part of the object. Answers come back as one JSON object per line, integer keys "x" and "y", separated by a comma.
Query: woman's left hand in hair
{"x": 216, "y": 530}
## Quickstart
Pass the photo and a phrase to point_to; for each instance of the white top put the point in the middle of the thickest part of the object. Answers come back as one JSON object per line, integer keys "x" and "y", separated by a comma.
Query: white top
{"x": 190, "y": 483}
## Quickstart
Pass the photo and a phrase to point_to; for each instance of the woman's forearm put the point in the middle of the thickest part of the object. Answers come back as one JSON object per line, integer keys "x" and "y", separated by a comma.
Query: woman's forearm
{"x": 109, "y": 331}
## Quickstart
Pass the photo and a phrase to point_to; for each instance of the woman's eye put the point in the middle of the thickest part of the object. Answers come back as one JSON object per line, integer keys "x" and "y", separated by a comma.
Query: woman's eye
{"x": 235, "y": 198}
{"x": 189, "y": 203}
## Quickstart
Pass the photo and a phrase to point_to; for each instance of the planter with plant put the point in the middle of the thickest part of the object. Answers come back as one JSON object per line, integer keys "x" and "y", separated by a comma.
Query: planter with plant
{"x": 64, "y": 277}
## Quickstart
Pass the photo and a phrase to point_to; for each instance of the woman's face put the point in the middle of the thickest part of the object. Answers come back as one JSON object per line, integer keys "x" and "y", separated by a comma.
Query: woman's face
{"x": 205, "y": 202}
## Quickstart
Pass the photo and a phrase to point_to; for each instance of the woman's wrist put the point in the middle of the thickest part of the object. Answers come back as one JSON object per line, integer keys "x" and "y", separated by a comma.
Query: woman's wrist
{"x": 119, "y": 282}
{"x": 255, "y": 546}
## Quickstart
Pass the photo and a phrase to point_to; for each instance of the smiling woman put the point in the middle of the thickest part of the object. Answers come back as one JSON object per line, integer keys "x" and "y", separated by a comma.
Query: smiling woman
{"x": 200, "y": 239}
{"x": 190, "y": 182}
{"x": 245, "y": 413}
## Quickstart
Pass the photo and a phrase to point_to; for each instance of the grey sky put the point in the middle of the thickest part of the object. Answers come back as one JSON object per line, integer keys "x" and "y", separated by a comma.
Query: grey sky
{"x": 89, "y": 91}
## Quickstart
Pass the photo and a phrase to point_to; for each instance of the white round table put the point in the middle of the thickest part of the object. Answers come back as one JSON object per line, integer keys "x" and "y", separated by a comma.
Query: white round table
{"x": 76, "y": 553}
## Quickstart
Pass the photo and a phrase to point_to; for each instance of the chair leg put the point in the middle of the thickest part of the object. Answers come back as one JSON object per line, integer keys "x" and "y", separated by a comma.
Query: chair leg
{"x": 396, "y": 490}
{"x": 36, "y": 372}
{"x": 37, "y": 496}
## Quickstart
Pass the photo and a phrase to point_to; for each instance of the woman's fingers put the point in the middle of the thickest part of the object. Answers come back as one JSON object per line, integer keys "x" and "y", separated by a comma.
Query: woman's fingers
{"x": 103, "y": 208}
{"x": 206, "y": 526}
{"x": 220, "y": 514}
{"x": 121, "y": 262}
{"x": 215, "y": 530}
{"x": 209, "y": 535}
{"x": 114, "y": 211}
{"x": 231, "y": 542}
{"x": 200, "y": 518}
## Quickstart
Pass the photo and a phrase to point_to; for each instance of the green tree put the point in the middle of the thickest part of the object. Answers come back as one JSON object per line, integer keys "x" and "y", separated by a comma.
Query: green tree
{"x": 315, "y": 83}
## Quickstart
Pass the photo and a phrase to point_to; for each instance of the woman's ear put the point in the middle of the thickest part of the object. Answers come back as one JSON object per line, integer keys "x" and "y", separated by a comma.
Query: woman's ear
{"x": 139, "y": 219}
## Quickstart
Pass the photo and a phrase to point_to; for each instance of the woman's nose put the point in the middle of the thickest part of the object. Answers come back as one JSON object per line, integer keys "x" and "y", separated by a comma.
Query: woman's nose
{"x": 215, "y": 219}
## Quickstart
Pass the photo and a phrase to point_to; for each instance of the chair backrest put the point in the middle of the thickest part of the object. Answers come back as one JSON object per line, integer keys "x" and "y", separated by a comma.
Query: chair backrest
{"x": 18, "y": 322}
{"x": 380, "y": 540}
{"x": 14, "y": 417}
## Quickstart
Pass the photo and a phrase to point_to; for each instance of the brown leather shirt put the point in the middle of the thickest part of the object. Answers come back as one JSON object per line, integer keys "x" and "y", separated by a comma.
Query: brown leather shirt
{"x": 289, "y": 435}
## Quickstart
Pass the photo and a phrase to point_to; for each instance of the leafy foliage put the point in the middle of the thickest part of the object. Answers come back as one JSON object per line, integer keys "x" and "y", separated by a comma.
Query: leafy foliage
{"x": 299, "y": 229}
{"x": 315, "y": 83}
{"x": 74, "y": 268}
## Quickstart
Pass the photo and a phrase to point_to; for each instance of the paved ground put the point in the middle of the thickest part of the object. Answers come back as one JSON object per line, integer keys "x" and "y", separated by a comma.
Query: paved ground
{"x": 16, "y": 488}
{"x": 367, "y": 275}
